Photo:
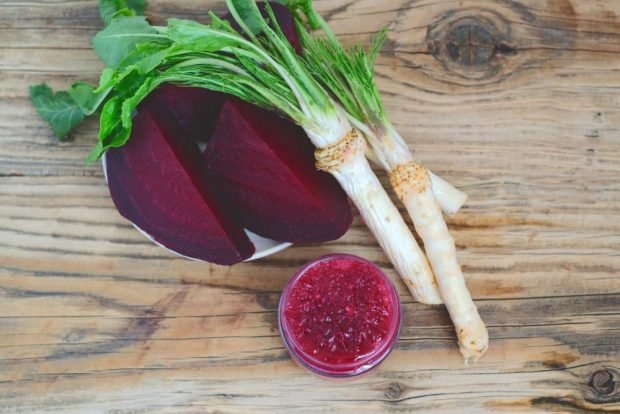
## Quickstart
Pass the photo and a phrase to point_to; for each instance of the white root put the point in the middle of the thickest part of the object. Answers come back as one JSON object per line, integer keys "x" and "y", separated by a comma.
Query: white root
{"x": 346, "y": 161}
{"x": 412, "y": 184}
{"x": 449, "y": 197}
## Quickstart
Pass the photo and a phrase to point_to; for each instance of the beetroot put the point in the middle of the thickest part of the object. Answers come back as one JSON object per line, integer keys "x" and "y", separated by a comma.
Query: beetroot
{"x": 264, "y": 165}
{"x": 158, "y": 182}
{"x": 193, "y": 111}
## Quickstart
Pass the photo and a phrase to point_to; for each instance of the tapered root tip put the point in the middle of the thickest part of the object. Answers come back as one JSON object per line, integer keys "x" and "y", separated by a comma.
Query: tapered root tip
{"x": 450, "y": 198}
{"x": 474, "y": 350}
{"x": 452, "y": 204}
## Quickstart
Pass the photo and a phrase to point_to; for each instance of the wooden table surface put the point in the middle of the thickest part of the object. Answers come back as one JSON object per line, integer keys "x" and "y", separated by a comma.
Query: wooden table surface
{"x": 516, "y": 102}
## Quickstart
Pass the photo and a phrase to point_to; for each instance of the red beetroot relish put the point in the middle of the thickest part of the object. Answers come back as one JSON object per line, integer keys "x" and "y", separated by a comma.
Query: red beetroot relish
{"x": 339, "y": 315}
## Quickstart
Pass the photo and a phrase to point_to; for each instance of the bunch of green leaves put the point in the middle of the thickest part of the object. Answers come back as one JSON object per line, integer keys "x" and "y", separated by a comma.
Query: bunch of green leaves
{"x": 260, "y": 67}
{"x": 263, "y": 70}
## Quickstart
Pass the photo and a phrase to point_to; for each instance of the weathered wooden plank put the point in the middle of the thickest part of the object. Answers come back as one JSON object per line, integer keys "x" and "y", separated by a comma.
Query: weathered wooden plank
{"x": 236, "y": 327}
{"x": 525, "y": 118}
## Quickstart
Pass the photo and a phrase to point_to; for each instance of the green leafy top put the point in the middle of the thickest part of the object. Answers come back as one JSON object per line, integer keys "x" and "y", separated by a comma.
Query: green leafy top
{"x": 120, "y": 38}
{"x": 265, "y": 71}
{"x": 314, "y": 20}
{"x": 111, "y": 9}
{"x": 58, "y": 109}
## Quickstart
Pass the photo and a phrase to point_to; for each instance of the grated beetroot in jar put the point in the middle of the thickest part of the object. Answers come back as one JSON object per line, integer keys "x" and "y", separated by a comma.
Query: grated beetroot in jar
{"x": 340, "y": 315}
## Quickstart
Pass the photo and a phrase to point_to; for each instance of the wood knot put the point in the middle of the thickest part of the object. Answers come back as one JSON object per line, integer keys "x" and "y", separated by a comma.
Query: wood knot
{"x": 602, "y": 386}
{"x": 332, "y": 157}
{"x": 394, "y": 390}
{"x": 603, "y": 382}
{"x": 470, "y": 43}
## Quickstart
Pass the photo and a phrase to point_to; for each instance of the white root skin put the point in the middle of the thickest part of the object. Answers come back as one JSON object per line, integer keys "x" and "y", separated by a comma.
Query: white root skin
{"x": 353, "y": 172}
{"x": 413, "y": 185}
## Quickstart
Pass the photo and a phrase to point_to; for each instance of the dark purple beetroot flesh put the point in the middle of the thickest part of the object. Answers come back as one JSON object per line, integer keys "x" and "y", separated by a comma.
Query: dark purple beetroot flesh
{"x": 158, "y": 181}
{"x": 283, "y": 17}
{"x": 193, "y": 111}
{"x": 264, "y": 166}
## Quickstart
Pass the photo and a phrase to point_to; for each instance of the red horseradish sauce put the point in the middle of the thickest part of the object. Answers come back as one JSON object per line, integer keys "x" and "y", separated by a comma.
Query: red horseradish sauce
{"x": 339, "y": 316}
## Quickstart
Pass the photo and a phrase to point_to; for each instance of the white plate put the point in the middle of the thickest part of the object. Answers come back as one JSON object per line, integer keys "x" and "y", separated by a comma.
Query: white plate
{"x": 263, "y": 247}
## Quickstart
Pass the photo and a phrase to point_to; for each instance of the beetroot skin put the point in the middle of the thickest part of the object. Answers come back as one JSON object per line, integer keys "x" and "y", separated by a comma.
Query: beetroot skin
{"x": 264, "y": 166}
{"x": 158, "y": 182}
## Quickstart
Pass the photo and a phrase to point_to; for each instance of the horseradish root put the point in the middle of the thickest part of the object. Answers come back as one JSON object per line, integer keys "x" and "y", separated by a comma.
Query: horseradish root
{"x": 412, "y": 184}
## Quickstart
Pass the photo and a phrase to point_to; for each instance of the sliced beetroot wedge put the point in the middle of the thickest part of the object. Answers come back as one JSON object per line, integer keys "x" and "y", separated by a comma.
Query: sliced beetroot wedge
{"x": 264, "y": 165}
{"x": 283, "y": 17}
{"x": 193, "y": 111}
{"x": 158, "y": 182}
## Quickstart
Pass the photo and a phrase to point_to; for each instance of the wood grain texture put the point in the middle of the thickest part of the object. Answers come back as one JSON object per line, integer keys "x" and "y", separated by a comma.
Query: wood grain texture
{"x": 516, "y": 102}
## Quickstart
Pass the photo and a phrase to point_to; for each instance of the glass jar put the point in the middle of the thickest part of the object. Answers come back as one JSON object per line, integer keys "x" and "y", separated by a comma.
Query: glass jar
{"x": 339, "y": 316}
